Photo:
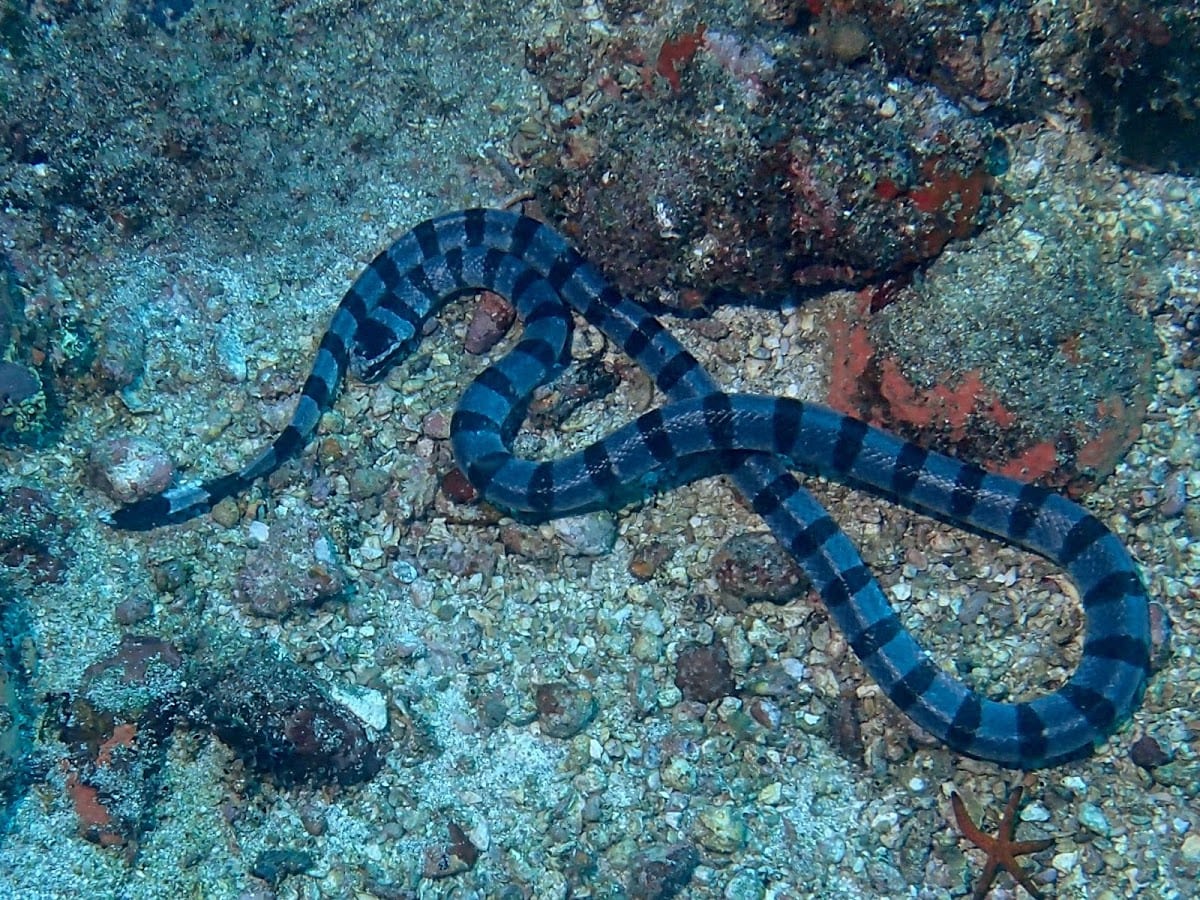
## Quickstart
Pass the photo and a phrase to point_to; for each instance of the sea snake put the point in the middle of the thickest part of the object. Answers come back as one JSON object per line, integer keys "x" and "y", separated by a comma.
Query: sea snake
{"x": 701, "y": 429}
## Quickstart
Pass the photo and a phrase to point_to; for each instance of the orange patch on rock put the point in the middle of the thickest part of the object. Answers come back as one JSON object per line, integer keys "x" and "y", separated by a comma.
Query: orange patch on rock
{"x": 675, "y": 52}
{"x": 878, "y": 391}
{"x": 852, "y": 353}
{"x": 123, "y": 736}
{"x": 941, "y": 406}
{"x": 1001, "y": 414}
{"x": 874, "y": 388}
{"x": 1121, "y": 422}
{"x": 1038, "y": 462}
{"x": 95, "y": 821}
{"x": 887, "y": 189}
{"x": 952, "y": 198}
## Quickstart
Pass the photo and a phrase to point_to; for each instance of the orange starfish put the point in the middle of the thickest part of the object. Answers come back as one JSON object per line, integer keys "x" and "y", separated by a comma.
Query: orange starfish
{"x": 1002, "y": 851}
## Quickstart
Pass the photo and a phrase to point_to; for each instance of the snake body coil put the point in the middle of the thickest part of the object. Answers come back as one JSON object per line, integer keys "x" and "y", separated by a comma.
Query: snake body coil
{"x": 753, "y": 439}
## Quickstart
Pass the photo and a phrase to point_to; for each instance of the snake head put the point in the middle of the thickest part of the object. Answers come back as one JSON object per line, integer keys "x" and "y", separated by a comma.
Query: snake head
{"x": 379, "y": 345}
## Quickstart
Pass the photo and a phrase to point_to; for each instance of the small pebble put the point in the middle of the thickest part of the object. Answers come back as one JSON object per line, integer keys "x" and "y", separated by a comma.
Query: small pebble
{"x": 648, "y": 558}
{"x": 1190, "y": 849}
{"x": 404, "y": 571}
{"x": 1147, "y": 752}
{"x": 721, "y": 829}
{"x": 564, "y": 710}
{"x": 367, "y": 704}
{"x": 129, "y": 468}
{"x": 456, "y": 487}
{"x": 258, "y": 532}
{"x": 454, "y": 858}
{"x": 660, "y": 873}
{"x": 436, "y": 425}
{"x": 493, "y": 317}
{"x": 647, "y": 647}
{"x": 590, "y": 534}
{"x": 132, "y": 610}
{"x": 679, "y": 774}
{"x": 1092, "y": 818}
{"x": 312, "y": 817}
{"x": 226, "y": 513}
{"x": 1174, "y": 494}
{"x": 745, "y": 885}
{"x": 369, "y": 482}
{"x": 751, "y": 568}
{"x": 973, "y": 607}
{"x": 1035, "y": 812}
{"x": 771, "y": 794}
{"x": 171, "y": 575}
{"x": 1066, "y": 862}
{"x": 652, "y": 623}
{"x": 766, "y": 713}
{"x": 703, "y": 672}
{"x": 272, "y": 866}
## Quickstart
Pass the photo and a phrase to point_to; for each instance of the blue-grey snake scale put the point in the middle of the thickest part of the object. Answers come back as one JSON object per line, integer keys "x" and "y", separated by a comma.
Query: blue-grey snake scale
{"x": 752, "y": 438}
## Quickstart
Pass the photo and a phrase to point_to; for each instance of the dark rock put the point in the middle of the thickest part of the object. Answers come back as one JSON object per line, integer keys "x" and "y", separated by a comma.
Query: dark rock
{"x": 17, "y": 384}
{"x": 22, "y": 401}
{"x": 764, "y": 165}
{"x": 33, "y": 535}
{"x": 660, "y": 874}
{"x": 272, "y": 866}
{"x": 703, "y": 672}
{"x": 984, "y": 358}
{"x": 1144, "y": 82}
{"x": 563, "y": 709}
{"x": 280, "y": 720}
{"x": 114, "y": 789}
{"x": 117, "y": 741}
{"x": 989, "y": 58}
{"x": 751, "y": 568}
{"x": 1148, "y": 753}
{"x": 139, "y": 682}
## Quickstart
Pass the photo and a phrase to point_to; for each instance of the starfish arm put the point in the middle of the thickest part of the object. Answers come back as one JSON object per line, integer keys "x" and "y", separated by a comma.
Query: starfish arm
{"x": 1008, "y": 822}
{"x": 967, "y": 827}
{"x": 984, "y": 884}
{"x": 1025, "y": 879}
{"x": 1020, "y": 848}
